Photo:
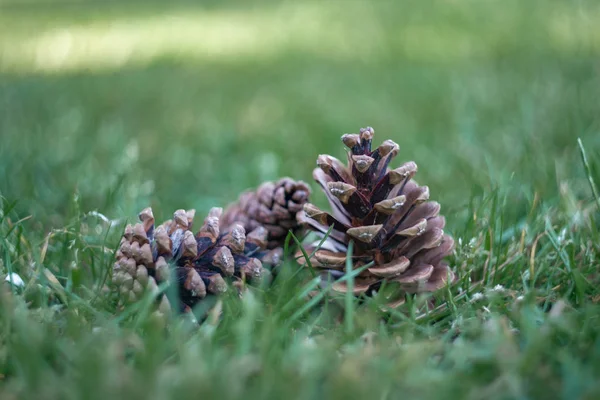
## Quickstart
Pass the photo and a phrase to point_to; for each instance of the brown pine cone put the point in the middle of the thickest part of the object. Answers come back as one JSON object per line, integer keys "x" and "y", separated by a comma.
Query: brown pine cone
{"x": 388, "y": 217}
{"x": 200, "y": 264}
{"x": 274, "y": 205}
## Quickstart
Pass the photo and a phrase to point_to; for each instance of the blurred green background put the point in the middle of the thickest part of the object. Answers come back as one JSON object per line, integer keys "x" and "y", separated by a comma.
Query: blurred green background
{"x": 186, "y": 104}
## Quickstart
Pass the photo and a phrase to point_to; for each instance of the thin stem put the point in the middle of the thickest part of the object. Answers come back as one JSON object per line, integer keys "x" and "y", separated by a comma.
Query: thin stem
{"x": 588, "y": 172}
{"x": 349, "y": 309}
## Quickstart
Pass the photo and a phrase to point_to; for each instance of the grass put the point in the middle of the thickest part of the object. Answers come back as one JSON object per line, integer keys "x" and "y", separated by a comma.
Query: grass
{"x": 106, "y": 108}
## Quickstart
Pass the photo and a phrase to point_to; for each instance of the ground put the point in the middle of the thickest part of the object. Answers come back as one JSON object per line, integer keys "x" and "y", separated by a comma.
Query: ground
{"x": 106, "y": 108}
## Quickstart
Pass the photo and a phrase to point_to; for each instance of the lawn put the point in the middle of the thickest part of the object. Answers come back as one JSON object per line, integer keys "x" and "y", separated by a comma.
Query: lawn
{"x": 109, "y": 107}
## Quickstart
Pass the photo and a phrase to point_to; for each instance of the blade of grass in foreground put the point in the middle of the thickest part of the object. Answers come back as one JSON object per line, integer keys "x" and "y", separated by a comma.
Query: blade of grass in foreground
{"x": 304, "y": 254}
{"x": 588, "y": 172}
{"x": 315, "y": 300}
{"x": 321, "y": 242}
{"x": 349, "y": 309}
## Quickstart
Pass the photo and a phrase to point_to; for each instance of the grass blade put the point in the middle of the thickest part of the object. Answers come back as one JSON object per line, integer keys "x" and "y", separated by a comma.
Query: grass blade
{"x": 349, "y": 309}
{"x": 588, "y": 172}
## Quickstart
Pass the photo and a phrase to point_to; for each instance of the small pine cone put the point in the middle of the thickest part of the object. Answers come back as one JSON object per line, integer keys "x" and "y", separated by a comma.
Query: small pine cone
{"x": 274, "y": 205}
{"x": 201, "y": 264}
{"x": 388, "y": 217}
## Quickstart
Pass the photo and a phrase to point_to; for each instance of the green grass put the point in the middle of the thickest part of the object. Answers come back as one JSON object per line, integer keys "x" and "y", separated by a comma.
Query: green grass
{"x": 106, "y": 108}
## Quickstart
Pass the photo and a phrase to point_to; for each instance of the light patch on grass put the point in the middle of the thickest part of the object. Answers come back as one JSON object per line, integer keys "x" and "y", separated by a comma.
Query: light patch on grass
{"x": 242, "y": 35}
{"x": 576, "y": 30}
{"x": 208, "y": 36}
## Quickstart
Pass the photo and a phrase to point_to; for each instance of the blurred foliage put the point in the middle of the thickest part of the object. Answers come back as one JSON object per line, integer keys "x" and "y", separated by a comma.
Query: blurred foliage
{"x": 185, "y": 105}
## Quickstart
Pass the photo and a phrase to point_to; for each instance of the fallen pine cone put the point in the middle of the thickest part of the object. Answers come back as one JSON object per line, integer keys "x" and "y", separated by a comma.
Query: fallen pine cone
{"x": 201, "y": 265}
{"x": 274, "y": 206}
{"x": 387, "y": 215}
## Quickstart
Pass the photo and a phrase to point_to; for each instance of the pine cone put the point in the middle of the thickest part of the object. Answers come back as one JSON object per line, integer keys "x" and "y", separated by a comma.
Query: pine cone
{"x": 386, "y": 214}
{"x": 274, "y": 205}
{"x": 201, "y": 264}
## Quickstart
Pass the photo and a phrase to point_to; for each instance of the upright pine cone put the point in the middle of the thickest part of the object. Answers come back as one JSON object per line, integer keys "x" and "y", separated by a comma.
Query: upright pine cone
{"x": 274, "y": 205}
{"x": 200, "y": 264}
{"x": 386, "y": 214}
